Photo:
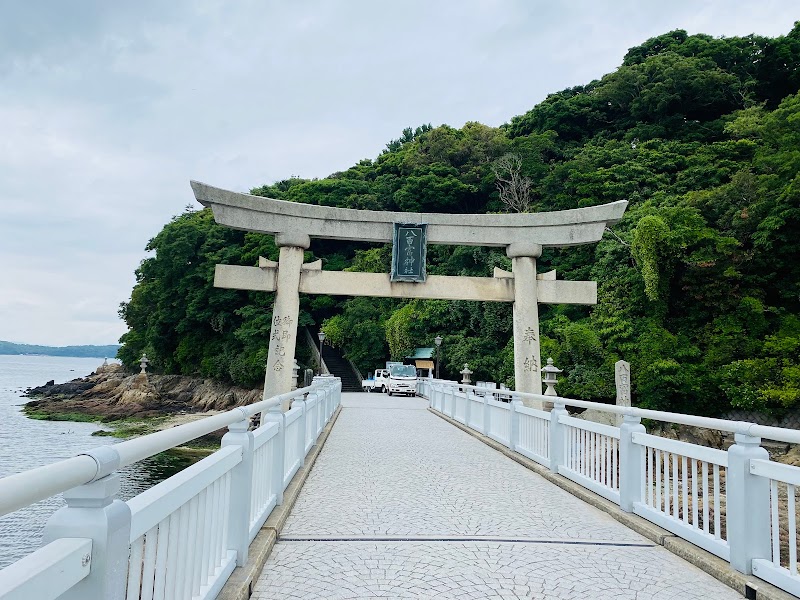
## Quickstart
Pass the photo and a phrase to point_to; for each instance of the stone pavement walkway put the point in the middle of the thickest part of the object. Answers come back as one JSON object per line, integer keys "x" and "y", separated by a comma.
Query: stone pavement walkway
{"x": 401, "y": 504}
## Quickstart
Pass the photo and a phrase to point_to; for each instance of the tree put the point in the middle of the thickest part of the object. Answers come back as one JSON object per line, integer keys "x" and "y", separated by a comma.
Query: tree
{"x": 699, "y": 287}
{"x": 514, "y": 188}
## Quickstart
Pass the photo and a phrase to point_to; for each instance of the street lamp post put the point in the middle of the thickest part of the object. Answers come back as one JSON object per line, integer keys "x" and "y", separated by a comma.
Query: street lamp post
{"x": 438, "y": 341}
{"x": 321, "y": 336}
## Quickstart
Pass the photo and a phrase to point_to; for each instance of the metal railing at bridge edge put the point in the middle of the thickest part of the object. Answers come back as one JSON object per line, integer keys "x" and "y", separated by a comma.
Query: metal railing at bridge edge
{"x": 180, "y": 539}
{"x": 738, "y": 505}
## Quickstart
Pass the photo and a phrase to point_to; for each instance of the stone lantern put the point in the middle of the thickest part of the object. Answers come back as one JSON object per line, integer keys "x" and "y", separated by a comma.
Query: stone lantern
{"x": 550, "y": 377}
{"x": 465, "y": 373}
{"x": 143, "y": 364}
{"x": 295, "y": 372}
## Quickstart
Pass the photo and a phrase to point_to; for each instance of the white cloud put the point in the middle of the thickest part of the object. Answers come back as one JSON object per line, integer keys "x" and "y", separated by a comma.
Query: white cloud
{"x": 108, "y": 110}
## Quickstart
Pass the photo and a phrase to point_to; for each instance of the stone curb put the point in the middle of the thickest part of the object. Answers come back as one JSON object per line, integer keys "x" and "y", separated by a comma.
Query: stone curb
{"x": 240, "y": 584}
{"x": 705, "y": 561}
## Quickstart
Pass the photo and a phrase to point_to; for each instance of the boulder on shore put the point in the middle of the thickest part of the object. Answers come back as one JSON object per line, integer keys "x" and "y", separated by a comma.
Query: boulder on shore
{"x": 113, "y": 393}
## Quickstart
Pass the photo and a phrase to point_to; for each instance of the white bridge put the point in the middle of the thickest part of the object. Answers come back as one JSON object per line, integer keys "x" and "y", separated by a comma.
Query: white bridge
{"x": 181, "y": 538}
{"x": 731, "y": 512}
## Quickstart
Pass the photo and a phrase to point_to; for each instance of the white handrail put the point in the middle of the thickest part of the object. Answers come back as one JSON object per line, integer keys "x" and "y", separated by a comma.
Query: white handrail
{"x": 49, "y": 572}
{"x": 676, "y": 485}
{"x": 781, "y": 434}
{"x": 21, "y": 489}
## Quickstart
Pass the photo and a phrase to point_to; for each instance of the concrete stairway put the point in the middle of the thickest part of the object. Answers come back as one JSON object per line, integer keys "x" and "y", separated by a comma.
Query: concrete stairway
{"x": 339, "y": 366}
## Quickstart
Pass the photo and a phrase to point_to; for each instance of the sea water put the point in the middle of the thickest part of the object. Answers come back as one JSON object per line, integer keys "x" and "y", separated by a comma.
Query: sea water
{"x": 27, "y": 443}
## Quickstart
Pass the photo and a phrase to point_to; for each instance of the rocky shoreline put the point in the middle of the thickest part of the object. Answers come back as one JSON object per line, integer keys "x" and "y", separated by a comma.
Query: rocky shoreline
{"x": 112, "y": 393}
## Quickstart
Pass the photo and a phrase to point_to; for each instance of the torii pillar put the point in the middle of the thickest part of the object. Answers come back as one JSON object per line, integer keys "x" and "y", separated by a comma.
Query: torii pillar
{"x": 527, "y": 359}
{"x": 285, "y": 314}
{"x": 293, "y": 223}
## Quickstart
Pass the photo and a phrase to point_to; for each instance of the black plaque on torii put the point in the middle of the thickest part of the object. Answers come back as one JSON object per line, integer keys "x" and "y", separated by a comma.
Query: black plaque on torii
{"x": 409, "y": 244}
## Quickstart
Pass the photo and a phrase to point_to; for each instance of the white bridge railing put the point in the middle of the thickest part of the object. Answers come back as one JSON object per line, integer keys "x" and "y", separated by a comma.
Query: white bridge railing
{"x": 738, "y": 505}
{"x": 182, "y": 538}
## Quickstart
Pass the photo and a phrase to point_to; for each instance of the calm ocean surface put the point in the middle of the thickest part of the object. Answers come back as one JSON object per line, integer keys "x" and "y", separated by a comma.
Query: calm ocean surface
{"x": 27, "y": 443}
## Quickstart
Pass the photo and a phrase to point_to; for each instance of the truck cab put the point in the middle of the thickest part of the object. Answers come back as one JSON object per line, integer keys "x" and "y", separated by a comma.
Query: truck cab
{"x": 402, "y": 380}
{"x": 381, "y": 380}
{"x": 378, "y": 382}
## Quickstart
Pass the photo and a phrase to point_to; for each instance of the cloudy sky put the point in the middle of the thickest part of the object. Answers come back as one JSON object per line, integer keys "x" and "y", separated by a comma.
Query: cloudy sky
{"x": 108, "y": 109}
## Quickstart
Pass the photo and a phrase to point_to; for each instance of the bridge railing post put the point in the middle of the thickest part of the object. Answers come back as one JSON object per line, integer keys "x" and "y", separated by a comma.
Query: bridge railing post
{"x": 301, "y": 435}
{"x": 327, "y": 399}
{"x": 631, "y": 463}
{"x": 324, "y": 391}
{"x": 306, "y": 401}
{"x": 322, "y": 414}
{"x": 93, "y": 511}
{"x": 314, "y": 416}
{"x": 513, "y": 436}
{"x": 335, "y": 391}
{"x": 241, "y": 489}
{"x": 333, "y": 395}
{"x": 467, "y": 405}
{"x": 748, "y": 505}
{"x": 487, "y": 416}
{"x": 278, "y": 467}
{"x": 558, "y": 436}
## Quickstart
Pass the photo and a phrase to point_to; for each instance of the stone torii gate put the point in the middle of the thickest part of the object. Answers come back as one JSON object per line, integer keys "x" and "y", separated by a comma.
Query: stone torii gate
{"x": 294, "y": 224}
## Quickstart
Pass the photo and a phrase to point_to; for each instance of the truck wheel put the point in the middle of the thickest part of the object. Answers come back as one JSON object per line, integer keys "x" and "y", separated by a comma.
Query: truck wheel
{"x": 390, "y": 392}
{"x": 383, "y": 390}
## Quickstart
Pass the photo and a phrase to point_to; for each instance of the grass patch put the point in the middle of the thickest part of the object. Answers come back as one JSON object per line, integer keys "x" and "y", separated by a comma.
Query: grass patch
{"x": 193, "y": 454}
{"x": 132, "y": 427}
{"x": 41, "y": 415}
{"x": 128, "y": 427}
{"x": 103, "y": 433}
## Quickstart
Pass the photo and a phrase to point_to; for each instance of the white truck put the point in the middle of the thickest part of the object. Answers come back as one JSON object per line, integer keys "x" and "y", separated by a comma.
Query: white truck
{"x": 379, "y": 382}
{"x": 402, "y": 380}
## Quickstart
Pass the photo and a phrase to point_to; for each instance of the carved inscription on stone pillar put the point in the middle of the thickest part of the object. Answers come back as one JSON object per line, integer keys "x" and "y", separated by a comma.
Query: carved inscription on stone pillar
{"x": 529, "y": 338}
{"x": 622, "y": 376}
{"x": 281, "y": 332}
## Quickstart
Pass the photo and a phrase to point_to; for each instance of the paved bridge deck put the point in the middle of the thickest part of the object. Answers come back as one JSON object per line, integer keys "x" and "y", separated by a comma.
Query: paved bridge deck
{"x": 401, "y": 504}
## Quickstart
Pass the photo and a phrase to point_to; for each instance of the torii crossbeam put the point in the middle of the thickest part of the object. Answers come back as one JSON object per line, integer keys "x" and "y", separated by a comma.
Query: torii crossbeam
{"x": 294, "y": 224}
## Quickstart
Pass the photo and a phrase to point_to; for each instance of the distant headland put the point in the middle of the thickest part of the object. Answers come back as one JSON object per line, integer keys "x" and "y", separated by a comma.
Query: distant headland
{"x": 74, "y": 351}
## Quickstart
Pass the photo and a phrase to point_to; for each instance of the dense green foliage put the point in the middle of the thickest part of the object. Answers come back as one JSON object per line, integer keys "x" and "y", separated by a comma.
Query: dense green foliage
{"x": 699, "y": 284}
{"x": 73, "y": 351}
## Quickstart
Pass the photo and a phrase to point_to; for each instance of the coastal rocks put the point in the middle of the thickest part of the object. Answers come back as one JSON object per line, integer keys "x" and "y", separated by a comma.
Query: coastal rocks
{"x": 112, "y": 393}
{"x": 711, "y": 438}
{"x": 792, "y": 457}
{"x": 136, "y": 393}
{"x": 52, "y": 389}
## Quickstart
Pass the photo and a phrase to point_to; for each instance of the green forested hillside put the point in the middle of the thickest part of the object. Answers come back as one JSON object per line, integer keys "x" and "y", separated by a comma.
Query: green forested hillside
{"x": 699, "y": 284}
